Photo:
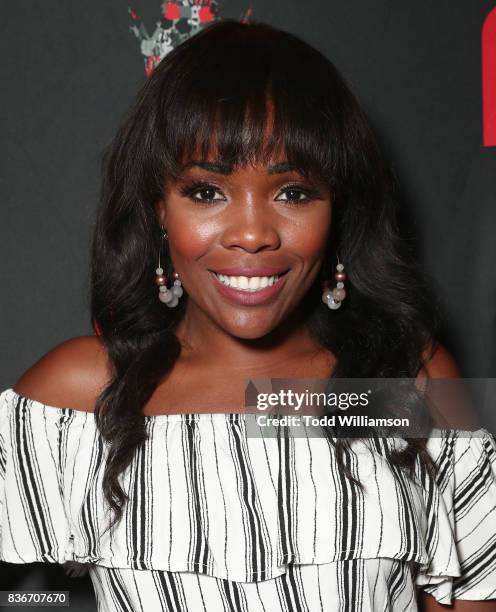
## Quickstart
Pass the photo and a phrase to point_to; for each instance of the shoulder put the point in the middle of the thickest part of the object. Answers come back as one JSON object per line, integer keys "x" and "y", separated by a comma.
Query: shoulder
{"x": 70, "y": 375}
{"x": 438, "y": 363}
{"x": 449, "y": 403}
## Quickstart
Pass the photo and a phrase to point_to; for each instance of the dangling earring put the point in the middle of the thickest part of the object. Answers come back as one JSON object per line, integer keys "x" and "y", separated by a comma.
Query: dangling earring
{"x": 334, "y": 297}
{"x": 171, "y": 296}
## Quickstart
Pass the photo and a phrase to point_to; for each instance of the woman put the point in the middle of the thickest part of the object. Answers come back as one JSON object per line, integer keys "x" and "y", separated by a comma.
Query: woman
{"x": 247, "y": 230}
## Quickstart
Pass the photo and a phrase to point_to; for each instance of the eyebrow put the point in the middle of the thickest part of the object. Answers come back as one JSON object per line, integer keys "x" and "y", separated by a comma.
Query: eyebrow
{"x": 222, "y": 168}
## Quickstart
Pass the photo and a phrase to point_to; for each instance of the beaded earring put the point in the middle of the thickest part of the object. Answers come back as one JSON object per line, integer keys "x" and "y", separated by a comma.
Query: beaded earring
{"x": 169, "y": 297}
{"x": 334, "y": 297}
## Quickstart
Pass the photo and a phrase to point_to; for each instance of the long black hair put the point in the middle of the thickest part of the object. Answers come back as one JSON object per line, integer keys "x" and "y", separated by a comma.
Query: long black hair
{"x": 219, "y": 82}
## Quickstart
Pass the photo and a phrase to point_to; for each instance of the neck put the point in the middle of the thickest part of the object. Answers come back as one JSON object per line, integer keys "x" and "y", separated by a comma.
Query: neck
{"x": 204, "y": 341}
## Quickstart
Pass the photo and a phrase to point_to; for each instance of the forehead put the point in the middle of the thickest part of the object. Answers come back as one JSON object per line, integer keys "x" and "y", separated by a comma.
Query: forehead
{"x": 220, "y": 167}
{"x": 263, "y": 150}
{"x": 272, "y": 160}
{"x": 230, "y": 146}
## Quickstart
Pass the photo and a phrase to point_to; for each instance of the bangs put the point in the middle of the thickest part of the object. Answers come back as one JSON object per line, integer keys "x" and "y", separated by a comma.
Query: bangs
{"x": 245, "y": 97}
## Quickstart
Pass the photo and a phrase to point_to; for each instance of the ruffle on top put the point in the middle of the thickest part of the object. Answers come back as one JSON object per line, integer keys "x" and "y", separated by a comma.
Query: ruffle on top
{"x": 205, "y": 497}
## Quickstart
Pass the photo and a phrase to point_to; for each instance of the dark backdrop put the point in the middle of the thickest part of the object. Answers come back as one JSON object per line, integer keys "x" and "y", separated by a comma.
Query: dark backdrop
{"x": 69, "y": 71}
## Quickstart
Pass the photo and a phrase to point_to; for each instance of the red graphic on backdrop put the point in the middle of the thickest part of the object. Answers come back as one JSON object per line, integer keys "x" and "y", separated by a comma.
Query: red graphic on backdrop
{"x": 180, "y": 19}
{"x": 489, "y": 79}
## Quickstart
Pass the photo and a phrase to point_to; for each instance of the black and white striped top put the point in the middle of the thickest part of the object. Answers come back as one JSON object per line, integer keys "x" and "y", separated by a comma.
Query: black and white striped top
{"x": 218, "y": 520}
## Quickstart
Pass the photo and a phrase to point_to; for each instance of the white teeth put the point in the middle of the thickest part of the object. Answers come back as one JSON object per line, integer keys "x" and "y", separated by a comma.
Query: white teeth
{"x": 247, "y": 283}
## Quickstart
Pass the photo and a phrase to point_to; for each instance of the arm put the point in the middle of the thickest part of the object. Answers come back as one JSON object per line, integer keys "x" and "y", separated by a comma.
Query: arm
{"x": 427, "y": 603}
{"x": 70, "y": 375}
{"x": 442, "y": 365}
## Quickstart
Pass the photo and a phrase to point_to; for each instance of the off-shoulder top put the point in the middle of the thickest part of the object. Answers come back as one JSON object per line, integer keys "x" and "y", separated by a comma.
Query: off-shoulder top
{"x": 219, "y": 520}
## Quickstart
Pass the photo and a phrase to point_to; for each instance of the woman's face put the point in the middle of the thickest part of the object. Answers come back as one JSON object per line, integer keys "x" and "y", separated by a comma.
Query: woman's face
{"x": 247, "y": 224}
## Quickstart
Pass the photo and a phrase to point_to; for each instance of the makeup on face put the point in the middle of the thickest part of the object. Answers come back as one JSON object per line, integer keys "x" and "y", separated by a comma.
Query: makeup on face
{"x": 189, "y": 183}
{"x": 250, "y": 288}
{"x": 287, "y": 218}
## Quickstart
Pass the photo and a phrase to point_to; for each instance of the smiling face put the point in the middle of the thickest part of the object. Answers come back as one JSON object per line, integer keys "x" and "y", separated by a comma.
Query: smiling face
{"x": 253, "y": 222}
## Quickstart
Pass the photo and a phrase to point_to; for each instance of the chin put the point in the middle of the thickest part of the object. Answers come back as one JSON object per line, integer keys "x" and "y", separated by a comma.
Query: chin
{"x": 249, "y": 329}
{"x": 249, "y": 332}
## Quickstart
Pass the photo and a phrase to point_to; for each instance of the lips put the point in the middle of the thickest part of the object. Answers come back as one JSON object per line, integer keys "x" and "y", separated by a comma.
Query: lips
{"x": 255, "y": 298}
{"x": 247, "y": 271}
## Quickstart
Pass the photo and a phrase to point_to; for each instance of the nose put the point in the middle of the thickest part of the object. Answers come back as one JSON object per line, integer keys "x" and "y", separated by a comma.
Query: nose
{"x": 252, "y": 229}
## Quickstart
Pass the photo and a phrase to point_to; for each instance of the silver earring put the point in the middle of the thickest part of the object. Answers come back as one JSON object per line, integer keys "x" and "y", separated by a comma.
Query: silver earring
{"x": 334, "y": 297}
{"x": 170, "y": 297}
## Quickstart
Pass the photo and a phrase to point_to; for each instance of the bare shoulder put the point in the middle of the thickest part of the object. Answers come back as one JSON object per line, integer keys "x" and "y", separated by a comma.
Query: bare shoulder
{"x": 449, "y": 403}
{"x": 439, "y": 363}
{"x": 70, "y": 375}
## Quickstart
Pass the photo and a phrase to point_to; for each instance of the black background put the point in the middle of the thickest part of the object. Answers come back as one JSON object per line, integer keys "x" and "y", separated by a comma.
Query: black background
{"x": 70, "y": 69}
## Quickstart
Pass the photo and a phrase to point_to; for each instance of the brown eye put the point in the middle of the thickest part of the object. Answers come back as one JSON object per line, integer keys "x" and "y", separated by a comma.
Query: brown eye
{"x": 294, "y": 195}
{"x": 207, "y": 194}
{"x": 203, "y": 193}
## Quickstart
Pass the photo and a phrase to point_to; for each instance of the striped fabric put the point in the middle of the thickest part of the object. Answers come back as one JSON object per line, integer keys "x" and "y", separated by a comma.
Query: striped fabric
{"x": 221, "y": 520}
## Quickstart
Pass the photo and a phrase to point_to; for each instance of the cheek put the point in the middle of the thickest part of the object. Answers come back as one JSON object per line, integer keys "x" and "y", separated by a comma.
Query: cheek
{"x": 195, "y": 234}
{"x": 192, "y": 236}
{"x": 309, "y": 237}
{"x": 191, "y": 242}
{"x": 311, "y": 243}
